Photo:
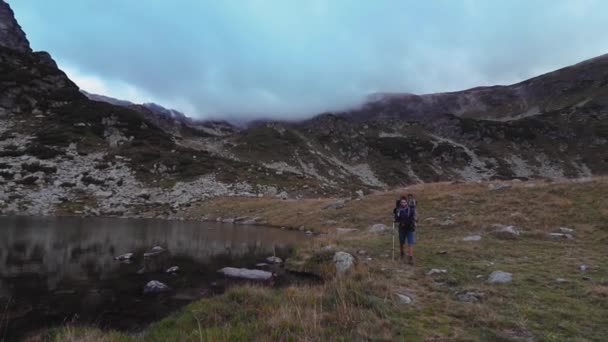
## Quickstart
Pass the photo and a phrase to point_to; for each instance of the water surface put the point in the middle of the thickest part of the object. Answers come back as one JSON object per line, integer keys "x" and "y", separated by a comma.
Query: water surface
{"x": 59, "y": 270}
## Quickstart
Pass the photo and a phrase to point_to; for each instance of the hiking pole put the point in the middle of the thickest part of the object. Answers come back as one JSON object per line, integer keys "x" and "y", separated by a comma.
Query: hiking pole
{"x": 393, "y": 240}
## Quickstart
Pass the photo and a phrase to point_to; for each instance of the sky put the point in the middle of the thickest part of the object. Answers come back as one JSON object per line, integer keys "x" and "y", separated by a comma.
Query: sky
{"x": 290, "y": 59}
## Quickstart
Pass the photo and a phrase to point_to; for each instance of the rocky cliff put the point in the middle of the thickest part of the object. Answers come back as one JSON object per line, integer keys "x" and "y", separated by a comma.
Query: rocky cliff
{"x": 11, "y": 34}
{"x": 64, "y": 153}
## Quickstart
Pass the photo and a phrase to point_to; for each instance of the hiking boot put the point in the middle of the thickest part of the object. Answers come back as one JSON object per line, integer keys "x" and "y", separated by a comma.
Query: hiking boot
{"x": 410, "y": 260}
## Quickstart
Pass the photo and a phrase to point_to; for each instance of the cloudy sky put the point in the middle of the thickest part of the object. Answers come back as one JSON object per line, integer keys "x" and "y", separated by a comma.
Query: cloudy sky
{"x": 294, "y": 58}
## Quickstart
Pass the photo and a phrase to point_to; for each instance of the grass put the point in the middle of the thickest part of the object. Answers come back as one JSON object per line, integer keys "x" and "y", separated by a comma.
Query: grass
{"x": 362, "y": 305}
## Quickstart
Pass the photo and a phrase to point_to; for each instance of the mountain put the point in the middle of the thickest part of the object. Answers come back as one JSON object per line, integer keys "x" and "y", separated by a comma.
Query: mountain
{"x": 568, "y": 87}
{"x": 62, "y": 152}
{"x": 170, "y": 120}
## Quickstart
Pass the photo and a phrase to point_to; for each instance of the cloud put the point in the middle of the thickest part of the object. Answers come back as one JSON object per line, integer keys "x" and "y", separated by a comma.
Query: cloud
{"x": 292, "y": 59}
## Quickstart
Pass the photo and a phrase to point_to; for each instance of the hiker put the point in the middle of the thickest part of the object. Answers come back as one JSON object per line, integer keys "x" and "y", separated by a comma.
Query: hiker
{"x": 404, "y": 217}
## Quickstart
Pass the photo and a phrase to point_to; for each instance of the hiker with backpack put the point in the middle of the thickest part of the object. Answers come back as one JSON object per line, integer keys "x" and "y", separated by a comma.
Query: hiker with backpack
{"x": 405, "y": 218}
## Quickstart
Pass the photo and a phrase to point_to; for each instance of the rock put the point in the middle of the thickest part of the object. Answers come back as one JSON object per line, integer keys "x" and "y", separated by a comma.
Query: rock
{"x": 124, "y": 257}
{"x": 471, "y": 238}
{"x": 155, "y": 286}
{"x": 346, "y": 230}
{"x": 498, "y": 187}
{"x": 561, "y": 235}
{"x": 141, "y": 271}
{"x": 561, "y": 280}
{"x": 172, "y": 269}
{"x": 404, "y": 299}
{"x": 262, "y": 264}
{"x": 447, "y": 222}
{"x": 500, "y": 277}
{"x": 470, "y": 296}
{"x": 327, "y": 248}
{"x": 360, "y": 193}
{"x": 156, "y": 250}
{"x": 361, "y": 252}
{"x": 336, "y": 205}
{"x": 436, "y": 271}
{"x": 309, "y": 232}
{"x": 506, "y": 232}
{"x": 283, "y": 195}
{"x": 244, "y": 273}
{"x": 11, "y": 34}
{"x": 566, "y": 230}
{"x": 378, "y": 228}
{"x": 274, "y": 260}
{"x": 583, "y": 268}
{"x": 343, "y": 261}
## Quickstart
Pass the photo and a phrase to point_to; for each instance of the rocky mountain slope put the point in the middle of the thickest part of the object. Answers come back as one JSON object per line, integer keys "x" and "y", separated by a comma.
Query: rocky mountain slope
{"x": 61, "y": 152}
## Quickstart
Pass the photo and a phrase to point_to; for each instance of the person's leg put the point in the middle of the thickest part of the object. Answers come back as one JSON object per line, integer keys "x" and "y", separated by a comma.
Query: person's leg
{"x": 410, "y": 246}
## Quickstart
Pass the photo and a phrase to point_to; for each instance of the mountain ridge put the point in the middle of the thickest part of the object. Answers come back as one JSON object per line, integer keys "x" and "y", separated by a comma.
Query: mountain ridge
{"x": 63, "y": 153}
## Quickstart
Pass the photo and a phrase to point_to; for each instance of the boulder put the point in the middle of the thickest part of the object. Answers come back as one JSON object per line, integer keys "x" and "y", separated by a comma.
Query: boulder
{"x": 346, "y": 230}
{"x": 172, "y": 269}
{"x": 506, "y": 232}
{"x": 447, "y": 222}
{"x": 343, "y": 261}
{"x": 155, "y": 286}
{"x": 336, "y": 205}
{"x": 470, "y": 296}
{"x": 561, "y": 235}
{"x": 244, "y": 273}
{"x": 436, "y": 271}
{"x": 500, "y": 277}
{"x": 471, "y": 238}
{"x": 404, "y": 299}
{"x": 498, "y": 187}
{"x": 274, "y": 260}
{"x": 156, "y": 250}
{"x": 124, "y": 257}
{"x": 378, "y": 228}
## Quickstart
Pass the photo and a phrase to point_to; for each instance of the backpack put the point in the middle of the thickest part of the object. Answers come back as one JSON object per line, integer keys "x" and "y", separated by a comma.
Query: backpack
{"x": 404, "y": 217}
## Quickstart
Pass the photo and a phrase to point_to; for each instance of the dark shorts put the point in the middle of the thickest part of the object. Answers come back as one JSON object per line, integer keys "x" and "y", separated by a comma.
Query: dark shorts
{"x": 406, "y": 234}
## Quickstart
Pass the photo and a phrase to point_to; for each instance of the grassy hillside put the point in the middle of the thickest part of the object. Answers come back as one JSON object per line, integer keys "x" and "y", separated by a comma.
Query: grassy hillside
{"x": 363, "y": 304}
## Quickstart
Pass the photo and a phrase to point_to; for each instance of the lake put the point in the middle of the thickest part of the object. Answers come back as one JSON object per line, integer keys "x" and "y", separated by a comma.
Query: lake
{"x": 55, "y": 271}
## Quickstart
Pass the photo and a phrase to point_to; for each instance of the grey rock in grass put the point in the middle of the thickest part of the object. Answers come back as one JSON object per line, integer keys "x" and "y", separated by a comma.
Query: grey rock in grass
{"x": 404, "y": 299}
{"x": 561, "y": 235}
{"x": 472, "y": 238}
{"x": 343, "y": 261}
{"x": 155, "y": 286}
{"x": 346, "y": 230}
{"x": 436, "y": 271}
{"x": 336, "y": 205}
{"x": 566, "y": 230}
{"x": 378, "y": 228}
{"x": 500, "y": 277}
{"x": 447, "y": 222}
{"x": 244, "y": 273}
{"x": 470, "y": 296}
{"x": 505, "y": 231}
{"x": 498, "y": 187}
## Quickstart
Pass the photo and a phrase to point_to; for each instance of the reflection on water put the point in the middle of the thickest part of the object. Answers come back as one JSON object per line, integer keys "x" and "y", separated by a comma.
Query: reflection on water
{"x": 53, "y": 269}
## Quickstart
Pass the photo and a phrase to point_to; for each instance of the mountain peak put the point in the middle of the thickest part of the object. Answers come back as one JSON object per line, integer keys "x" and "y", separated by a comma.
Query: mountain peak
{"x": 11, "y": 34}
